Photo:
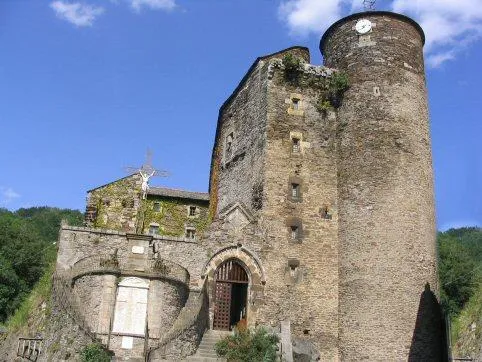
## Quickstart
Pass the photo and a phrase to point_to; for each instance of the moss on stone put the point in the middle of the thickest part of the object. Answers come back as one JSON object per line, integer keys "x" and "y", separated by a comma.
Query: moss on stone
{"x": 172, "y": 216}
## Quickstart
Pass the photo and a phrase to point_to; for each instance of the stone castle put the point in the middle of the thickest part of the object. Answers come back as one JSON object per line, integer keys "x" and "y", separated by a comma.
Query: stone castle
{"x": 319, "y": 221}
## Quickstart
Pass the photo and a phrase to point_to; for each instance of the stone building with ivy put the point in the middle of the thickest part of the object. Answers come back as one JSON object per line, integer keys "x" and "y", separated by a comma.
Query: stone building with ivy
{"x": 319, "y": 216}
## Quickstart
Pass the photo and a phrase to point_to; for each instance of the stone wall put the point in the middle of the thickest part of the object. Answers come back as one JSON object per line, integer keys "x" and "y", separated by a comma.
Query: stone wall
{"x": 385, "y": 193}
{"x": 172, "y": 217}
{"x": 89, "y": 291}
{"x": 240, "y": 171}
{"x": 115, "y": 205}
{"x": 303, "y": 273}
{"x": 97, "y": 293}
{"x": 76, "y": 243}
{"x": 166, "y": 300}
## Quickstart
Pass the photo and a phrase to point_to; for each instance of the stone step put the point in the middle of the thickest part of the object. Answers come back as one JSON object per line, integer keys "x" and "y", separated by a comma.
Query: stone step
{"x": 205, "y": 359}
{"x": 205, "y": 351}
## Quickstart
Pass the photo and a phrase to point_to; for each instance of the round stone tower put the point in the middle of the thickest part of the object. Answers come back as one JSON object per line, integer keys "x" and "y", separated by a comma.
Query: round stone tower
{"x": 388, "y": 310}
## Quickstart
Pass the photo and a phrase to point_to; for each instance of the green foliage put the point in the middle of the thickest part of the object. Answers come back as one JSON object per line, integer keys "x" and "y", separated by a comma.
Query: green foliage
{"x": 323, "y": 105}
{"x": 172, "y": 217}
{"x": 460, "y": 271}
{"x": 248, "y": 346}
{"x": 338, "y": 83}
{"x": 27, "y": 247}
{"x": 292, "y": 63}
{"x": 460, "y": 264}
{"x": 94, "y": 353}
{"x": 39, "y": 294}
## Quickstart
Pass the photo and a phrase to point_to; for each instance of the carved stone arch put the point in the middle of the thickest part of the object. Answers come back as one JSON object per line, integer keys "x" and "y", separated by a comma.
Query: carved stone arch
{"x": 256, "y": 274}
{"x": 251, "y": 262}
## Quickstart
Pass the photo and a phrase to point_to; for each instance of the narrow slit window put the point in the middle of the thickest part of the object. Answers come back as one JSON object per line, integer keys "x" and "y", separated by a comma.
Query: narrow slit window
{"x": 295, "y": 191}
{"x": 229, "y": 145}
{"x": 295, "y": 232}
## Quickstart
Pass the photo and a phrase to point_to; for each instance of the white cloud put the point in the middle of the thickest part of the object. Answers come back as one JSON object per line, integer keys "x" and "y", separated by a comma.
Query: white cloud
{"x": 76, "y": 13}
{"x": 449, "y": 25}
{"x": 435, "y": 60}
{"x": 309, "y": 16}
{"x": 7, "y": 195}
{"x": 167, "y": 5}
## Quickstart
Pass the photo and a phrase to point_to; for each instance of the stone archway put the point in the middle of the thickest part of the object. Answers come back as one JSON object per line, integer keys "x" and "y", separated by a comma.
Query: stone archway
{"x": 254, "y": 288}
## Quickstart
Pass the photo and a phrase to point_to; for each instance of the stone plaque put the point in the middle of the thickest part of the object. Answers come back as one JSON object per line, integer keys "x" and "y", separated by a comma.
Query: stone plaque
{"x": 131, "y": 307}
{"x": 138, "y": 249}
{"x": 127, "y": 342}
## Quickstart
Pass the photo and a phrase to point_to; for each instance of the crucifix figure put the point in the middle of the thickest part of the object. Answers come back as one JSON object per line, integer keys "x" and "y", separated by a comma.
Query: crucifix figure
{"x": 147, "y": 171}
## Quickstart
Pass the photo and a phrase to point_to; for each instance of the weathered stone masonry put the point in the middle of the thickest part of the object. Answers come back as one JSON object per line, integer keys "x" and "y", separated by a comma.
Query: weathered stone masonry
{"x": 324, "y": 199}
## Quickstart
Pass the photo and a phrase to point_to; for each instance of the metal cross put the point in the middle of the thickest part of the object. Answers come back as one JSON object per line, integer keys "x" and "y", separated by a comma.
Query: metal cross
{"x": 146, "y": 171}
{"x": 369, "y": 5}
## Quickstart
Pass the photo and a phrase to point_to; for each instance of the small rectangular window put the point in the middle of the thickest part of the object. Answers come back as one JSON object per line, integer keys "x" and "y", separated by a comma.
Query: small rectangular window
{"x": 157, "y": 206}
{"x": 295, "y": 104}
{"x": 153, "y": 229}
{"x": 190, "y": 233}
{"x": 295, "y": 191}
{"x": 295, "y": 145}
{"x": 192, "y": 210}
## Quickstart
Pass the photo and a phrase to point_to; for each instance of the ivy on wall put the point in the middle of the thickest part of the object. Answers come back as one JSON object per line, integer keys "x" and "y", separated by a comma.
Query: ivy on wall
{"x": 214, "y": 187}
{"x": 172, "y": 216}
{"x": 115, "y": 204}
{"x": 331, "y": 87}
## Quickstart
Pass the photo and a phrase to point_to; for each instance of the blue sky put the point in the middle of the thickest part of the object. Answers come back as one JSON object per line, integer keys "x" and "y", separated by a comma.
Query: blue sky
{"x": 86, "y": 87}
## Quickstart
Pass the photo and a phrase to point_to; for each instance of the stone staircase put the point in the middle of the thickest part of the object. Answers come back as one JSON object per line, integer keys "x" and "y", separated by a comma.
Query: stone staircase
{"x": 205, "y": 351}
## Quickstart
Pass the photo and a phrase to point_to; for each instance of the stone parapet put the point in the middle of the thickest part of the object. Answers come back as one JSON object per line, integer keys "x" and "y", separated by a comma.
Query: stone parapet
{"x": 109, "y": 264}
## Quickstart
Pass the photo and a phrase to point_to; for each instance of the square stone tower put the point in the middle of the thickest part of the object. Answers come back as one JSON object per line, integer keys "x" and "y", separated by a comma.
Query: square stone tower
{"x": 338, "y": 181}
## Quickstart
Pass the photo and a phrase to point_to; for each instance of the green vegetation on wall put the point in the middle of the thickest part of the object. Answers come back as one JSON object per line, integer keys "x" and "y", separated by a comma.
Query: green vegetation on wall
{"x": 331, "y": 87}
{"x": 94, "y": 353}
{"x": 115, "y": 203}
{"x": 172, "y": 216}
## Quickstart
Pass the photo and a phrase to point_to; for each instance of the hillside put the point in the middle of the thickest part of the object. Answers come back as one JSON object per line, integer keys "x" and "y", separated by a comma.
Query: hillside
{"x": 27, "y": 247}
{"x": 460, "y": 269}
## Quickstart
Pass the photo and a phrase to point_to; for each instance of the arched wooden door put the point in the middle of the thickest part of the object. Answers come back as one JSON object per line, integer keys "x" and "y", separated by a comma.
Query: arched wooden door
{"x": 230, "y": 295}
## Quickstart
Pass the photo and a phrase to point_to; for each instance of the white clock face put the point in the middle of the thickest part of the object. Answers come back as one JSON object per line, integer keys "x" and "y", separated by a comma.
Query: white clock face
{"x": 363, "y": 26}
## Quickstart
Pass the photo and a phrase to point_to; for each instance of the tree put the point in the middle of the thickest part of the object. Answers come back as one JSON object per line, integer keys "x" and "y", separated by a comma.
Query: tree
{"x": 458, "y": 270}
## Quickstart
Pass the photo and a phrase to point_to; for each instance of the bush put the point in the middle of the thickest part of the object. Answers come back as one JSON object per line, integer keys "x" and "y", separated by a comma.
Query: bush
{"x": 292, "y": 63}
{"x": 94, "y": 353}
{"x": 247, "y": 345}
{"x": 337, "y": 86}
{"x": 323, "y": 105}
